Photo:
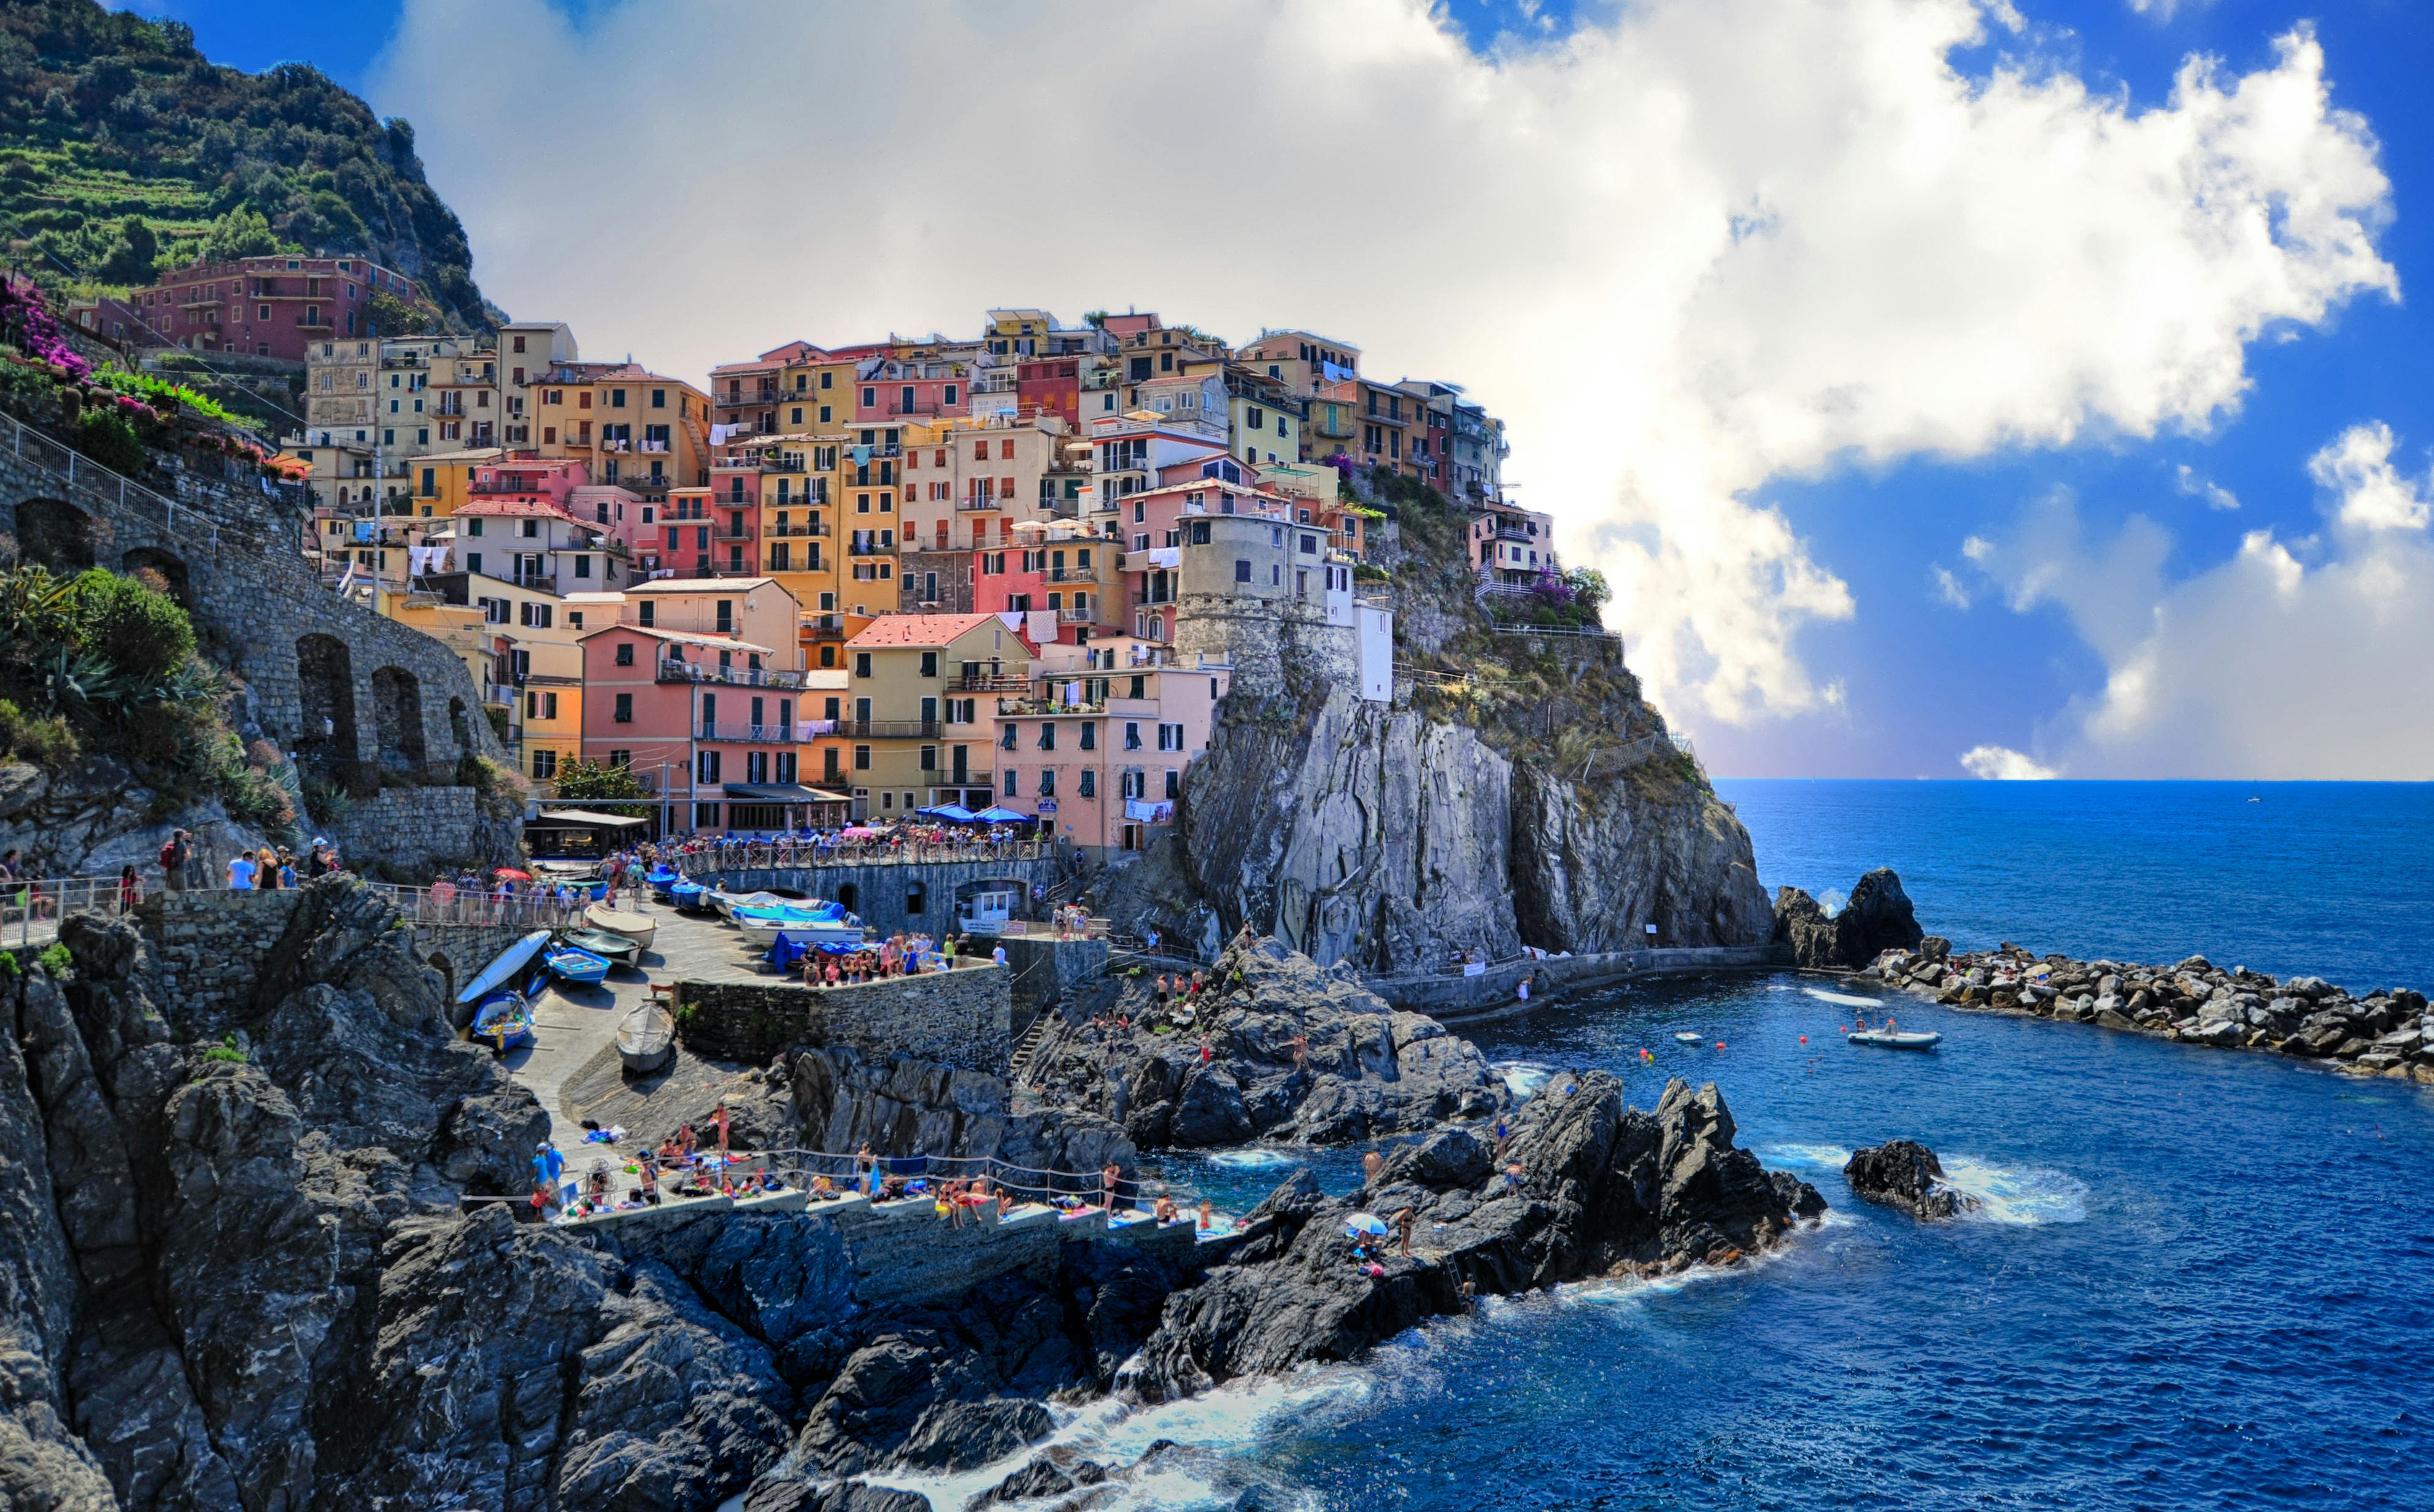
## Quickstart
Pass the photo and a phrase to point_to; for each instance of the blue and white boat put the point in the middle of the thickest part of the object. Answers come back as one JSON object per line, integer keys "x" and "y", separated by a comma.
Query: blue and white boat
{"x": 662, "y": 881}
{"x": 567, "y": 964}
{"x": 502, "y": 1020}
{"x": 690, "y": 896}
{"x": 503, "y": 972}
{"x": 817, "y": 924}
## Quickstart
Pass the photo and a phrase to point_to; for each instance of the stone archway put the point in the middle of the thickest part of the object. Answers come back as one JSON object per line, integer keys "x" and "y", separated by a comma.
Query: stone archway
{"x": 168, "y": 565}
{"x": 397, "y": 704}
{"x": 325, "y": 691}
{"x": 58, "y": 535}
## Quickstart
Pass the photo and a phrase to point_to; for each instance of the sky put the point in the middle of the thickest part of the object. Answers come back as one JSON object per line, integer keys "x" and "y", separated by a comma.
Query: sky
{"x": 2001, "y": 389}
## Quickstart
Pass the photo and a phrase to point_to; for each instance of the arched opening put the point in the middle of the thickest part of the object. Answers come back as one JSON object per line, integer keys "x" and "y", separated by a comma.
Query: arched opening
{"x": 325, "y": 691}
{"x": 57, "y": 534}
{"x": 172, "y": 571}
{"x": 397, "y": 704}
{"x": 849, "y": 896}
{"x": 917, "y": 898}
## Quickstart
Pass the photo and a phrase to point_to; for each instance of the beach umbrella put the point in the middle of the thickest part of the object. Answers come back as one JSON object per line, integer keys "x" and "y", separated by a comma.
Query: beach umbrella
{"x": 511, "y": 874}
{"x": 952, "y": 813}
{"x": 1366, "y": 1226}
{"x": 859, "y": 831}
{"x": 1001, "y": 815}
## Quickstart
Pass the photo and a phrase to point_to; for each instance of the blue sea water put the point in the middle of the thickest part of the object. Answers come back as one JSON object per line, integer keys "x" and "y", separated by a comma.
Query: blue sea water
{"x": 2332, "y": 879}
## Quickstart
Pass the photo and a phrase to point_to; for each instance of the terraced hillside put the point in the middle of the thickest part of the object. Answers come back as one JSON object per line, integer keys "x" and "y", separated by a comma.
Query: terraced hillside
{"x": 122, "y": 147}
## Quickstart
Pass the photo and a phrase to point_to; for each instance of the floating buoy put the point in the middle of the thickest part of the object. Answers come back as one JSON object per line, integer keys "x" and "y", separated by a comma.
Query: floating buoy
{"x": 1719, "y": 1044}
{"x": 1803, "y": 1039}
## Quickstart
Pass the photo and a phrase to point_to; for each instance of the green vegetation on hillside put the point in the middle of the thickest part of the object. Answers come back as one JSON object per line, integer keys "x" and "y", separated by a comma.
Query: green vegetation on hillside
{"x": 123, "y": 149}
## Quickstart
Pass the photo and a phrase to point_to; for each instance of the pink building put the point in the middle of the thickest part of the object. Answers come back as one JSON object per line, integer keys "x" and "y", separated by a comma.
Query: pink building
{"x": 1100, "y": 743}
{"x": 530, "y": 476}
{"x": 270, "y": 306}
{"x": 904, "y": 389}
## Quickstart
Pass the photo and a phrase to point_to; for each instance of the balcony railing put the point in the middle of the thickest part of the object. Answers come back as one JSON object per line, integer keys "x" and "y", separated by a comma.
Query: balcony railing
{"x": 762, "y": 735}
{"x": 673, "y": 671}
{"x": 825, "y": 626}
{"x": 1084, "y": 615}
{"x": 795, "y": 532}
{"x": 870, "y": 548}
{"x": 992, "y": 682}
{"x": 893, "y": 729}
{"x": 1009, "y": 706}
{"x": 970, "y": 504}
{"x": 761, "y": 396}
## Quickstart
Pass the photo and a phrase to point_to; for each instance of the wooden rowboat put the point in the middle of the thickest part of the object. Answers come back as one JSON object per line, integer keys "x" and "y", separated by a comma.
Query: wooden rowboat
{"x": 646, "y": 1037}
{"x": 636, "y": 927}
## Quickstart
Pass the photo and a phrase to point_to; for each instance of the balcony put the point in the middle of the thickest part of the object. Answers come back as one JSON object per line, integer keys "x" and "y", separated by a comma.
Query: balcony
{"x": 673, "y": 671}
{"x": 825, "y": 626}
{"x": 992, "y": 682}
{"x": 1007, "y": 707}
{"x": 761, "y": 396}
{"x": 892, "y": 729}
{"x": 1071, "y": 574}
{"x": 870, "y": 548}
{"x": 1513, "y": 532}
{"x": 1077, "y": 616}
{"x": 795, "y": 532}
{"x": 965, "y": 506}
{"x": 754, "y": 735}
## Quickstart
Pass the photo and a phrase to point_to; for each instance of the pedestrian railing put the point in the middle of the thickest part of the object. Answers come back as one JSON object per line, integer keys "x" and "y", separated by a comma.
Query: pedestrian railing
{"x": 447, "y": 903}
{"x": 703, "y": 858}
{"x": 31, "y": 908}
{"x": 83, "y": 475}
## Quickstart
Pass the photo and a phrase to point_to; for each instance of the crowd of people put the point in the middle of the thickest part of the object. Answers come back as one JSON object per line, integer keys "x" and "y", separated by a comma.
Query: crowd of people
{"x": 899, "y": 954}
{"x": 900, "y": 841}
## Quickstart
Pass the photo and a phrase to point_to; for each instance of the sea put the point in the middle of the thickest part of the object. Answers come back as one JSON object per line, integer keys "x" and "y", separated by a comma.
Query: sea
{"x": 2199, "y": 1277}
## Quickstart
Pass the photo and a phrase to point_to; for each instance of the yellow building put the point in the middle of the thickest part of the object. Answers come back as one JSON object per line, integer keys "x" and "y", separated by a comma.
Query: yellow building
{"x": 630, "y": 426}
{"x": 922, "y": 720}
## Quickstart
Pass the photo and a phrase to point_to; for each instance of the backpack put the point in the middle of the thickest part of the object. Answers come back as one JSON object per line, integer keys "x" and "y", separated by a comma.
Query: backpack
{"x": 168, "y": 853}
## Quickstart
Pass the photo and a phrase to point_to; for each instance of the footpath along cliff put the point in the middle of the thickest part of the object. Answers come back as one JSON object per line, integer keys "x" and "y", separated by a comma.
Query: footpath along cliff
{"x": 1517, "y": 791}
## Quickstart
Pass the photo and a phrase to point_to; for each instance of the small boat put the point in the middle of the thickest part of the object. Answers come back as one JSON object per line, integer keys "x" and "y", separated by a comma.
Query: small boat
{"x": 1685, "y": 1037}
{"x": 1894, "y": 1038}
{"x": 727, "y": 903}
{"x": 614, "y": 949}
{"x": 690, "y": 896}
{"x": 826, "y": 922}
{"x": 504, "y": 969}
{"x": 567, "y": 964}
{"x": 504, "y": 1021}
{"x": 646, "y": 1037}
{"x": 662, "y": 880}
{"x": 608, "y": 921}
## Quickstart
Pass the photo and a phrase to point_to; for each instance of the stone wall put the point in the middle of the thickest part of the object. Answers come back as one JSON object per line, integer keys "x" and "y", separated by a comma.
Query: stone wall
{"x": 415, "y": 830}
{"x": 208, "y": 946}
{"x": 882, "y": 893}
{"x": 393, "y": 698}
{"x": 961, "y": 1018}
{"x": 1046, "y": 969}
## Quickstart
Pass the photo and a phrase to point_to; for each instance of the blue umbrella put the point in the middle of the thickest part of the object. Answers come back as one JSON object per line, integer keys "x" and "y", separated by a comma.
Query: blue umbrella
{"x": 954, "y": 812}
{"x": 998, "y": 815}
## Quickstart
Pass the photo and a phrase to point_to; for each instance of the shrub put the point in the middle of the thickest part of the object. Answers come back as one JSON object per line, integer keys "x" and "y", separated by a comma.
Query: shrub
{"x": 108, "y": 437}
{"x": 329, "y": 799}
{"x": 55, "y": 959}
{"x": 9, "y": 966}
{"x": 226, "y": 1050}
{"x": 47, "y": 743}
{"x": 141, "y": 633}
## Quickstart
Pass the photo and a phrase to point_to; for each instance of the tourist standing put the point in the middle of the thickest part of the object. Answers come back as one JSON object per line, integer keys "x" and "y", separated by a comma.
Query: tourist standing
{"x": 997, "y": 956}
{"x": 131, "y": 891}
{"x": 240, "y": 872}
{"x": 718, "y": 1116}
{"x": 868, "y": 1164}
{"x": 173, "y": 853}
{"x": 1403, "y": 1222}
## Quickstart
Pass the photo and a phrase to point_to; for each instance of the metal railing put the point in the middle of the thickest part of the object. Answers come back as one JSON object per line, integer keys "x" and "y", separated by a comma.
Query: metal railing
{"x": 670, "y": 671}
{"x": 701, "y": 858}
{"x": 531, "y": 905}
{"x": 83, "y": 475}
{"x": 30, "y": 908}
{"x": 764, "y": 733}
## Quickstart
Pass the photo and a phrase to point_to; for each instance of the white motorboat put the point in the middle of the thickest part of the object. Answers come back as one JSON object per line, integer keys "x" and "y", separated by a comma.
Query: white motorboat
{"x": 825, "y": 924}
{"x": 727, "y": 903}
{"x": 1894, "y": 1038}
{"x": 1685, "y": 1037}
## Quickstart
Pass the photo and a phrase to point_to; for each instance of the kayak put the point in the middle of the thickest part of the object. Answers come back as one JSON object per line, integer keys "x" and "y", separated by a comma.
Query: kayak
{"x": 505, "y": 967}
{"x": 571, "y": 965}
{"x": 614, "y": 949}
{"x": 1897, "y": 1039}
{"x": 636, "y": 927}
{"x": 504, "y": 1021}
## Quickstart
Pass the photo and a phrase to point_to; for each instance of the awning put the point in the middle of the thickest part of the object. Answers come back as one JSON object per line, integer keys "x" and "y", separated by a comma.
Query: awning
{"x": 1002, "y": 815}
{"x": 781, "y": 793}
{"x": 954, "y": 812}
{"x": 587, "y": 818}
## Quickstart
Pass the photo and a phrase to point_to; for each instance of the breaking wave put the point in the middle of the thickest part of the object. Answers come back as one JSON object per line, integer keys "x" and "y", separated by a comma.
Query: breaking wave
{"x": 2028, "y": 1195}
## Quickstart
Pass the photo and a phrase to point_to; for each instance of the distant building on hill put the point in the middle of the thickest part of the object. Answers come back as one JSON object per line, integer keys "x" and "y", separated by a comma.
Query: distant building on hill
{"x": 270, "y": 306}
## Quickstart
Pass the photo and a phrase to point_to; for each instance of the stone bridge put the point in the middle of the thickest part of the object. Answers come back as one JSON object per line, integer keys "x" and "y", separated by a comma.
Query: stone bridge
{"x": 358, "y": 698}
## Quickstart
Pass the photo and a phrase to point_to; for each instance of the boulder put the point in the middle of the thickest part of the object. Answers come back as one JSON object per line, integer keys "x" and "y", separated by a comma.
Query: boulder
{"x": 1905, "y": 1174}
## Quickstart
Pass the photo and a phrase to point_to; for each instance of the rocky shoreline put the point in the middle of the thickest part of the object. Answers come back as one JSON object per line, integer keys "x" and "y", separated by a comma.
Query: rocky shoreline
{"x": 2385, "y": 1033}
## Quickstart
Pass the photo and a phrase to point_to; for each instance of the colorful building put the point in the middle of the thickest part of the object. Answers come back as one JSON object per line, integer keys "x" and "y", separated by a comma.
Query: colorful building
{"x": 922, "y": 714}
{"x": 276, "y": 305}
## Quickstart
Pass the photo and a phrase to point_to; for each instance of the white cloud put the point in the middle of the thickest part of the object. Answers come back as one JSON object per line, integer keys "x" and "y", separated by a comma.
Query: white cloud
{"x": 1950, "y": 588}
{"x": 2357, "y": 466}
{"x": 2167, "y": 9}
{"x": 2198, "y": 486}
{"x": 2265, "y": 665}
{"x": 2000, "y": 764}
{"x": 1686, "y": 250}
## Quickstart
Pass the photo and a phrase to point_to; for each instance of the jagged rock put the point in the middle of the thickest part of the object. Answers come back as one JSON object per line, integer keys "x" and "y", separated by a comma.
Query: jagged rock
{"x": 1905, "y": 1174}
{"x": 1878, "y": 919}
{"x": 1042, "y": 1477}
{"x": 1599, "y": 1188}
{"x": 791, "y": 1494}
{"x": 1370, "y": 1069}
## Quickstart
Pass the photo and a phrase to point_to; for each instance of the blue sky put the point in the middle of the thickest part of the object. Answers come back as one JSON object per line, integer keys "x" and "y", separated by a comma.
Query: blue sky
{"x": 1918, "y": 679}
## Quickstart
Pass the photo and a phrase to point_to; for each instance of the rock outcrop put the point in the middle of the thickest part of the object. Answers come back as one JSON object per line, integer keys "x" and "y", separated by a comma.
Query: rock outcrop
{"x": 2389, "y": 1032}
{"x": 1905, "y": 1174}
{"x": 1587, "y": 1187}
{"x": 1878, "y": 918}
{"x": 1362, "y": 1069}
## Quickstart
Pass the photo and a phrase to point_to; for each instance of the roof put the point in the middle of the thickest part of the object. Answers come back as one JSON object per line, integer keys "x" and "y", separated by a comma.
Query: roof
{"x": 586, "y": 816}
{"x": 919, "y": 629}
{"x": 680, "y": 637}
{"x": 783, "y": 793}
{"x": 698, "y": 585}
{"x": 517, "y": 508}
{"x": 827, "y": 678}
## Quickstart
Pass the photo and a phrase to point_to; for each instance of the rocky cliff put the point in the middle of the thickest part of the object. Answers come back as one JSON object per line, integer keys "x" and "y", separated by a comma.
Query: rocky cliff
{"x": 1518, "y": 790}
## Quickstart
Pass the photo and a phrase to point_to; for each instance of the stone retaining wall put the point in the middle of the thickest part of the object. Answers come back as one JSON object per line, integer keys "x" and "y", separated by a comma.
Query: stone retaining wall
{"x": 417, "y": 830}
{"x": 208, "y": 946}
{"x": 881, "y": 892}
{"x": 961, "y": 1018}
{"x": 1046, "y": 969}
{"x": 1495, "y": 986}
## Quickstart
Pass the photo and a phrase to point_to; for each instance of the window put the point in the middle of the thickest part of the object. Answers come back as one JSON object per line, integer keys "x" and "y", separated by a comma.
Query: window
{"x": 705, "y": 767}
{"x": 1089, "y": 787}
{"x": 1174, "y": 783}
{"x": 1132, "y": 736}
{"x": 861, "y": 758}
{"x": 1089, "y": 737}
{"x": 625, "y": 715}
{"x": 544, "y": 765}
{"x": 658, "y": 399}
{"x": 1048, "y": 781}
{"x": 1047, "y": 736}
{"x": 1011, "y": 776}
{"x": 929, "y": 758}
{"x": 930, "y": 662}
{"x": 1241, "y": 571}
{"x": 1006, "y": 738}
{"x": 626, "y": 653}
{"x": 862, "y": 663}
